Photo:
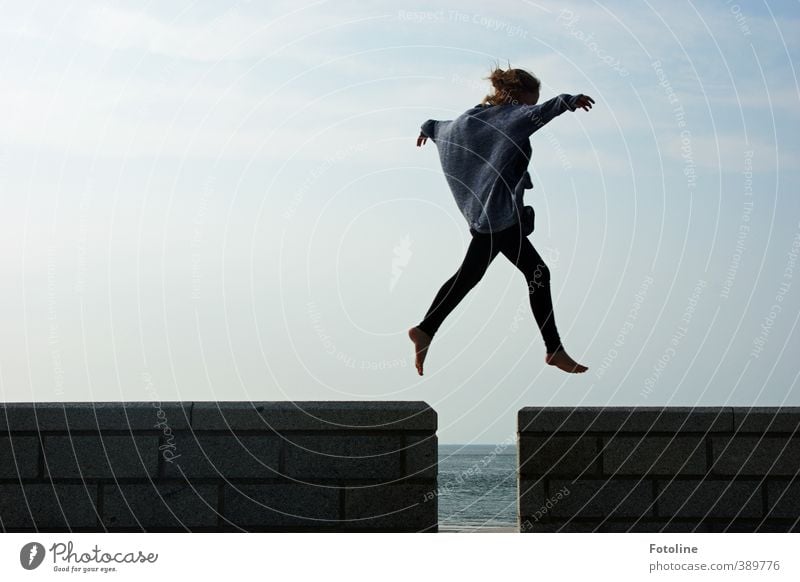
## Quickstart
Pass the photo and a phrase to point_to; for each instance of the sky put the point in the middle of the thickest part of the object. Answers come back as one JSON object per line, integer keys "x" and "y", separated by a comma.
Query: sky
{"x": 225, "y": 201}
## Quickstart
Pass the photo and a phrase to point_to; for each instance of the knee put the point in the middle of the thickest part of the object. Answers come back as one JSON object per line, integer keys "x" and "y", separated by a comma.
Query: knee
{"x": 537, "y": 277}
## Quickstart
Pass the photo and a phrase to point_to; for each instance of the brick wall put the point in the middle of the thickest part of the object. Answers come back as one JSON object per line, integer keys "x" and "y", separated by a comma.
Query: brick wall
{"x": 218, "y": 466}
{"x": 649, "y": 469}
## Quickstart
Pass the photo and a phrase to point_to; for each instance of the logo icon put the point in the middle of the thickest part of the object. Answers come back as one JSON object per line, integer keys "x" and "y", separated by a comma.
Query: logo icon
{"x": 402, "y": 255}
{"x": 31, "y": 555}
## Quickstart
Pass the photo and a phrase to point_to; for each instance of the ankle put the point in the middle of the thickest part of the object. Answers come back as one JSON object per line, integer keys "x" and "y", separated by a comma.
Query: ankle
{"x": 427, "y": 333}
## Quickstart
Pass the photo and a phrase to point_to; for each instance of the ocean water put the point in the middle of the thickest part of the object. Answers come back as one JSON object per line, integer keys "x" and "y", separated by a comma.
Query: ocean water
{"x": 477, "y": 487}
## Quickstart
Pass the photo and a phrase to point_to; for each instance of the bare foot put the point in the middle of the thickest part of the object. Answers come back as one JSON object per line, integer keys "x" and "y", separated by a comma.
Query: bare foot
{"x": 561, "y": 360}
{"x": 421, "y": 342}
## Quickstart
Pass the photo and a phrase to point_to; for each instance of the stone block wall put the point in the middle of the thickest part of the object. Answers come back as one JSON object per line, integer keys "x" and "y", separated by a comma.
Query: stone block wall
{"x": 218, "y": 466}
{"x": 651, "y": 469}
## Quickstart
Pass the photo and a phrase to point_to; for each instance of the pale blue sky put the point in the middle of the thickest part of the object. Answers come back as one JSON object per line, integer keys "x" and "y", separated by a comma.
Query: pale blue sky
{"x": 228, "y": 196}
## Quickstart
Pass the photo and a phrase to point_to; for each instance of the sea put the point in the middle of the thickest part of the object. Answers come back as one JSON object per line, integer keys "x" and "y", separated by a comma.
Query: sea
{"x": 477, "y": 487}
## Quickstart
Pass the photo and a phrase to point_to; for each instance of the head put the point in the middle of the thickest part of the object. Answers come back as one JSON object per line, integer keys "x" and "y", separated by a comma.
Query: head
{"x": 512, "y": 86}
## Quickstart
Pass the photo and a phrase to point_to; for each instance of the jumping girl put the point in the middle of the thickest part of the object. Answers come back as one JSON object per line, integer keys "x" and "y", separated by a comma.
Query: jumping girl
{"x": 484, "y": 153}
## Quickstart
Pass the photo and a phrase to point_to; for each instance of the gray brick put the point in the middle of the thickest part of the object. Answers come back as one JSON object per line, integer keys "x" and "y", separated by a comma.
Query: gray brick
{"x": 600, "y": 498}
{"x": 708, "y": 498}
{"x": 531, "y": 525}
{"x": 315, "y": 458}
{"x": 684, "y": 455}
{"x": 397, "y": 507}
{"x": 151, "y": 506}
{"x": 95, "y": 456}
{"x": 229, "y": 456}
{"x": 422, "y": 457}
{"x": 767, "y": 418}
{"x": 657, "y": 526}
{"x": 758, "y": 526}
{"x": 565, "y": 455}
{"x": 625, "y": 419}
{"x": 783, "y": 499}
{"x": 46, "y": 506}
{"x": 19, "y": 457}
{"x": 315, "y": 415}
{"x": 532, "y": 496}
{"x": 620, "y": 526}
{"x": 752, "y": 455}
{"x": 281, "y": 505}
{"x": 48, "y": 416}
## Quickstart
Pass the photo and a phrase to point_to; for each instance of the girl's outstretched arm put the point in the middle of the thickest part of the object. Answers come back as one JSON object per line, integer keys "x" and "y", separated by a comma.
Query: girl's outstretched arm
{"x": 536, "y": 116}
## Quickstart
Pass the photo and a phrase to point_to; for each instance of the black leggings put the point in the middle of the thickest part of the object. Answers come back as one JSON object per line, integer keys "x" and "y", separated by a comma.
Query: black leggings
{"x": 481, "y": 252}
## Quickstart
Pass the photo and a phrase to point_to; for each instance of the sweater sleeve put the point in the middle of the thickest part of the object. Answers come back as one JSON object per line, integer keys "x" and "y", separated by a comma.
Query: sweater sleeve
{"x": 429, "y": 129}
{"x": 534, "y": 117}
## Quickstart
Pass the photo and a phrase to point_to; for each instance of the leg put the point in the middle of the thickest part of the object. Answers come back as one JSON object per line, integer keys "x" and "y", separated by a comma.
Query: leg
{"x": 480, "y": 253}
{"x": 519, "y": 250}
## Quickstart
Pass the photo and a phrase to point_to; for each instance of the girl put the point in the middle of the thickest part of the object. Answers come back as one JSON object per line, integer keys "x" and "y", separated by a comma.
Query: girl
{"x": 485, "y": 153}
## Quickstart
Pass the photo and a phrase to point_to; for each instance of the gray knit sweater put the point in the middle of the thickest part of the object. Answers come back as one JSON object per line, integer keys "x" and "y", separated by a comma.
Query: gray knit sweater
{"x": 485, "y": 153}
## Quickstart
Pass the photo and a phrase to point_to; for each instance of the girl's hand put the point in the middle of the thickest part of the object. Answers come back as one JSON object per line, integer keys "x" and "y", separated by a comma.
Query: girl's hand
{"x": 584, "y": 102}
{"x": 422, "y": 139}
